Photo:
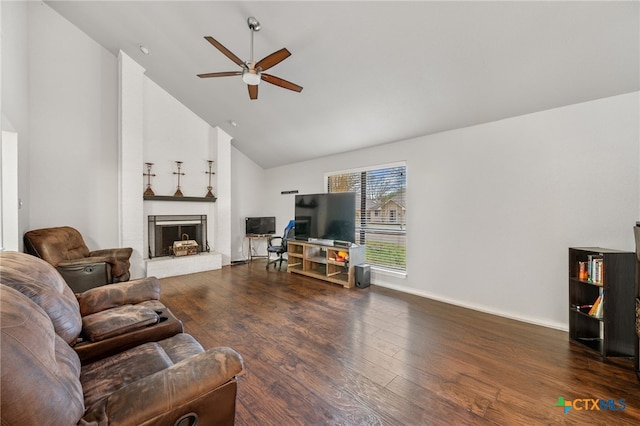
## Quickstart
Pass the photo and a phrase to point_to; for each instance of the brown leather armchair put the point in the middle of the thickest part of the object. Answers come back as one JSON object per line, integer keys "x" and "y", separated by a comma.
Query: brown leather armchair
{"x": 82, "y": 269}
{"x": 99, "y": 322}
{"x": 174, "y": 381}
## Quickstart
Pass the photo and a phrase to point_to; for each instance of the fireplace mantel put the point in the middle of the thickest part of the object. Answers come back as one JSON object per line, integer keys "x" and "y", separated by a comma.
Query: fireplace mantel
{"x": 172, "y": 198}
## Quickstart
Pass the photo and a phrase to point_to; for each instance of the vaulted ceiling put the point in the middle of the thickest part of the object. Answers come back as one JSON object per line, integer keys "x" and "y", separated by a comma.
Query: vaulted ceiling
{"x": 373, "y": 72}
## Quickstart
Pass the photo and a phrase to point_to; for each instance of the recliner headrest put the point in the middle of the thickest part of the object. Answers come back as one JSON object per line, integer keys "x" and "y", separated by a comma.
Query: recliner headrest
{"x": 43, "y": 284}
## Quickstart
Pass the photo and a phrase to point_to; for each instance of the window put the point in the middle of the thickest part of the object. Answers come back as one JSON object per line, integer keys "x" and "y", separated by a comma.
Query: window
{"x": 380, "y": 213}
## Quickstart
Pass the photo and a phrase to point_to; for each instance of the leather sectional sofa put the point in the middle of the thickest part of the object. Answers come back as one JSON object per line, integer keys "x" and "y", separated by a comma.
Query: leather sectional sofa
{"x": 164, "y": 378}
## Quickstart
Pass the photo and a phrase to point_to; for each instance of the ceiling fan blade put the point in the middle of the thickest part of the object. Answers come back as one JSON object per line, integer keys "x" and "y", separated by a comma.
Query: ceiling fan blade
{"x": 273, "y": 59}
{"x": 224, "y": 50}
{"x": 220, "y": 74}
{"x": 281, "y": 82}
{"x": 253, "y": 91}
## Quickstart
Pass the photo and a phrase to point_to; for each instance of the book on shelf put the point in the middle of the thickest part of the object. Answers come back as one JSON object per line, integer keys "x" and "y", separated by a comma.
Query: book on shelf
{"x": 583, "y": 273}
{"x": 594, "y": 272}
{"x": 582, "y": 308}
{"x": 594, "y": 307}
{"x": 598, "y": 306}
{"x": 597, "y": 269}
{"x": 600, "y": 309}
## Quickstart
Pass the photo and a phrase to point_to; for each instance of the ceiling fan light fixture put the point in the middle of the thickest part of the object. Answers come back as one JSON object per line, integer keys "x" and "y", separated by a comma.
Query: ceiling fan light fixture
{"x": 251, "y": 77}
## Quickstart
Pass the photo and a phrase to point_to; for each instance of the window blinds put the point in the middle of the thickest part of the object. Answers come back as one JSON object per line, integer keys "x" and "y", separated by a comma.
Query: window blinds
{"x": 380, "y": 212}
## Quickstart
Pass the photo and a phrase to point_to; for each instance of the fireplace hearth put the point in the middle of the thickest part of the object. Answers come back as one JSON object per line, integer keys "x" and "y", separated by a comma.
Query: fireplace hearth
{"x": 164, "y": 230}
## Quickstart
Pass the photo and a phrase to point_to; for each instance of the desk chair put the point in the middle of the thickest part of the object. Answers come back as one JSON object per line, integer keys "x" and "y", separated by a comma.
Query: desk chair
{"x": 280, "y": 249}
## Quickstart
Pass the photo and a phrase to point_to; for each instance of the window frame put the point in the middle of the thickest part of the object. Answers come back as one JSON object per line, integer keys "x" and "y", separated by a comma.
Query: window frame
{"x": 359, "y": 170}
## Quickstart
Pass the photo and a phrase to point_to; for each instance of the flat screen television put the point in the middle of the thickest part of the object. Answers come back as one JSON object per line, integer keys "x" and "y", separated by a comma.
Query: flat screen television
{"x": 329, "y": 216}
{"x": 260, "y": 225}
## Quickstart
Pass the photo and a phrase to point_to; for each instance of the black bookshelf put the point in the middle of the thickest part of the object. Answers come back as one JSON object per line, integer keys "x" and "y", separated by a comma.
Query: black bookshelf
{"x": 636, "y": 342}
{"x": 612, "y": 333}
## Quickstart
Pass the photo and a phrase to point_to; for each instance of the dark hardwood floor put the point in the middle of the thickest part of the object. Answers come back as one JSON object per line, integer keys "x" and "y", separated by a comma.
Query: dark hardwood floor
{"x": 319, "y": 354}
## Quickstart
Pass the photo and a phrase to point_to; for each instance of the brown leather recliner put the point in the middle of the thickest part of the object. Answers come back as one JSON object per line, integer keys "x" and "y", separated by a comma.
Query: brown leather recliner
{"x": 82, "y": 269}
{"x": 170, "y": 382}
{"x": 99, "y": 322}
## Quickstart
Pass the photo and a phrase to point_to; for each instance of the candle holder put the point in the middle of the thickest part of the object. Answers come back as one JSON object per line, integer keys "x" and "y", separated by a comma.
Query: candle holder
{"x": 178, "y": 192}
{"x": 209, "y": 188}
{"x": 149, "y": 191}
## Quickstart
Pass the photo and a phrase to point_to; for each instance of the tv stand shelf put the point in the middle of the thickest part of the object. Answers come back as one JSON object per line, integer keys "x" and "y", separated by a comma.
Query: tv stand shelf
{"x": 319, "y": 261}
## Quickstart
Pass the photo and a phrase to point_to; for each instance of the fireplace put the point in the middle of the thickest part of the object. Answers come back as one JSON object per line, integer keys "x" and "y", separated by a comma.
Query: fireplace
{"x": 164, "y": 230}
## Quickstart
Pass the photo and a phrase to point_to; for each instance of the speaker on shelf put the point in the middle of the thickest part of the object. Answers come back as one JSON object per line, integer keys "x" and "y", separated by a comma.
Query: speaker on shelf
{"x": 363, "y": 275}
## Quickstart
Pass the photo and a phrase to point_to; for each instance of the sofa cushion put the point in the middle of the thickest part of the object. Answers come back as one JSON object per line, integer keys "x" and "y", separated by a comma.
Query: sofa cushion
{"x": 180, "y": 347}
{"x": 40, "y": 372}
{"x": 113, "y": 322}
{"x": 112, "y": 295}
{"x": 102, "y": 378}
{"x": 42, "y": 283}
{"x": 156, "y": 305}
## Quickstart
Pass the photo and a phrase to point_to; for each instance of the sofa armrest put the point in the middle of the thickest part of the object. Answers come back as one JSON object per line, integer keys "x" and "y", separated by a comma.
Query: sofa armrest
{"x": 111, "y": 295}
{"x": 122, "y": 253}
{"x": 194, "y": 385}
{"x": 118, "y": 258}
{"x": 82, "y": 261}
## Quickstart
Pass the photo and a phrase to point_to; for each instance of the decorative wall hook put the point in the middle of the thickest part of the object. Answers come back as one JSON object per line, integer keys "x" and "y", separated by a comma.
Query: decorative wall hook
{"x": 148, "y": 191}
{"x": 178, "y": 192}
{"x": 209, "y": 188}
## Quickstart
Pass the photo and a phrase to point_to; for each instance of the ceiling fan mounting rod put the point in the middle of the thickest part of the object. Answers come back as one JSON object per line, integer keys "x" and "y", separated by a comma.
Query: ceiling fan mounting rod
{"x": 254, "y": 26}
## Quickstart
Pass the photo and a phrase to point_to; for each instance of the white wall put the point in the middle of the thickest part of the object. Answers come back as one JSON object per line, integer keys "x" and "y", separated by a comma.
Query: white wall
{"x": 222, "y": 242}
{"x": 156, "y": 128}
{"x": 73, "y": 154}
{"x": 248, "y": 181}
{"x": 131, "y": 83}
{"x": 492, "y": 209}
{"x": 14, "y": 90}
{"x": 9, "y": 205}
{"x": 174, "y": 133}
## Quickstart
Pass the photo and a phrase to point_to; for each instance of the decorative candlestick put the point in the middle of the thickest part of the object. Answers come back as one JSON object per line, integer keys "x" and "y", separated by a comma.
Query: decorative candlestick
{"x": 209, "y": 188}
{"x": 148, "y": 191}
{"x": 178, "y": 193}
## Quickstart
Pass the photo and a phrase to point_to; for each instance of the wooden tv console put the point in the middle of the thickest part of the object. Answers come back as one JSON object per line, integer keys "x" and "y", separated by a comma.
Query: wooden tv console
{"x": 320, "y": 261}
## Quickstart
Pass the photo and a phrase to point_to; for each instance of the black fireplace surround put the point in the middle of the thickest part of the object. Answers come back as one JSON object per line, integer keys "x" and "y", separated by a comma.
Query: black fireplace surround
{"x": 164, "y": 230}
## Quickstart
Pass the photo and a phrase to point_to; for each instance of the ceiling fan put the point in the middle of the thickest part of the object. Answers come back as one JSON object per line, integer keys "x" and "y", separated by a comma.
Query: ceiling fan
{"x": 252, "y": 72}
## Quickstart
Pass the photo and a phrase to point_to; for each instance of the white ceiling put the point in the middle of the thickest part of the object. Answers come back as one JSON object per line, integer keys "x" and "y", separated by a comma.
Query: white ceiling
{"x": 373, "y": 72}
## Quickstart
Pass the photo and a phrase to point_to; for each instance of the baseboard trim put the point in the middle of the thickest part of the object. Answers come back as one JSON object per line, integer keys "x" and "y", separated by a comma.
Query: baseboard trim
{"x": 479, "y": 308}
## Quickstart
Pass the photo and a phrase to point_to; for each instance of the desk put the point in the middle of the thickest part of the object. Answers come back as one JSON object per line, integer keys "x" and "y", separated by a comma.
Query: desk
{"x": 258, "y": 237}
